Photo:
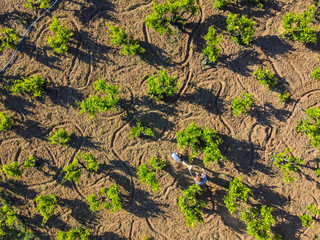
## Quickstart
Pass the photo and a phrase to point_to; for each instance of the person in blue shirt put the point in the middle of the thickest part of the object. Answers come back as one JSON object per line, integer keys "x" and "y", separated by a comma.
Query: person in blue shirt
{"x": 202, "y": 179}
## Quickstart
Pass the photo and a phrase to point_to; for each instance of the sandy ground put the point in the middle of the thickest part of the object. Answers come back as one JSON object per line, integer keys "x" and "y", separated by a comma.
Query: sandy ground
{"x": 204, "y": 98}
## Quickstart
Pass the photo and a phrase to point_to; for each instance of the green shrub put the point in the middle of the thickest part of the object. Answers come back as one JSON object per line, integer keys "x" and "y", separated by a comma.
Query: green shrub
{"x": 59, "y": 42}
{"x": 108, "y": 199}
{"x": 81, "y": 161}
{"x": 307, "y": 219}
{"x": 129, "y": 45}
{"x": 33, "y": 85}
{"x": 241, "y": 29}
{"x": 95, "y": 104}
{"x": 258, "y": 3}
{"x": 311, "y": 126}
{"x": 9, "y": 39}
{"x": 221, "y": 3}
{"x": 288, "y": 164}
{"x": 191, "y": 205}
{"x": 298, "y": 27}
{"x": 12, "y": 170}
{"x": 316, "y": 73}
{"x": 284, "y": 96}
{"x": 259, "y": 222}
{"x": 30, "y": 162}
{"x": 211, "y": 50}
{"x": 80, "y": 233}
{"x": 199, "y": 139}
{"x": 10, "y": 225}
{"x": 139, "y": 130}
{"x": 237, "y": 191}
{"x": 32, "y": 4}
{"x": 6, "y": 122}
{"x": 162, "y": 86}
{"x": 45, "y": 205}
{"x": 148, "y": 174}
{"x": 8, "y": 220}
{"x": 265, "y": 78}
{"x": 169, "y": 13}
{"x": 239, "y": 106}
{"x": 60, "y": 137}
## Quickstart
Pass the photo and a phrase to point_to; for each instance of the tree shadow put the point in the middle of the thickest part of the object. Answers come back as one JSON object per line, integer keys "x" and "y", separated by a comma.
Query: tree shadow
{"x": 64, "y": 96}
{"x": 80, "y": 211}
{"x": 89, "y": 10}
{"x": 204, "y": 98}
{"x": 107, "y": 235}
{"x": 30, "y": 129}
{"x": 15, "y": 102}
{"x": 272, "y": 45}
{"x": 154, "y": 55}
{"x": 155, "y": 120}
{"x": 136, "y": 201}
{"x": 84, "y": 141}
{"x": 20, "y": 189}
{"x": 245, "y": 58}
{"x": 265, "y": 114}
{"x": 245, "y": 7}
{"x": 35, "y": 225}
{"x": 243, "y": 154}
{"x": 40, "y": 162}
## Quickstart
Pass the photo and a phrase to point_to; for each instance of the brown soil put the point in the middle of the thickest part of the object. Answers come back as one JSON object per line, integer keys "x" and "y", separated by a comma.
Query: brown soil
{"x": 204, "y": 97}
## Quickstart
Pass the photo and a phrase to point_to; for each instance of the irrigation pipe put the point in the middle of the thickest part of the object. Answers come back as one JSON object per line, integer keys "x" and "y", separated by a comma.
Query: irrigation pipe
{"x": 25, "y": 35}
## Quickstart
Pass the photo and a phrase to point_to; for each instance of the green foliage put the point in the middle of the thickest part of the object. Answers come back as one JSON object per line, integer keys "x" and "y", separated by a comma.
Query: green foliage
{"x": 60, "y": 137}
{"x": 284, "y": 96}
{"x": 30, "y": 162}
{"x": 241, "y": 29}
{"x": 139, "y": 130}
{"x": 316, "y": 73}
{"x": 221, "y": 3}
{"x": 9, "y": 39}
{"x": 108, "y": 199}
{"x": 32, "y": 4}
{"x": 265, "y": 78}
{"x": 157, "y": 163}
{"x": 191, "y": 205}
{"x": 288, "y": 164}
{"x": 6, "y": 122}
{"x": 307, "y": 219}
{"x": 162, "y": 86}
{"x": 73, "y": 170}
{"x": 317, "y": 171}
{"x": 311, "y": 126}
{"x": 80, "y": 233}
{"x": 12, "y": 170}
{"x": 92, "y": 163}
{"x": 237, "y": 191}
{"x": 45, "y": 205}
{"x": 298, "y": 27}
{"x": 59, "y": 42}
{"x": 7, "y": 219}
{"x": 148, "y": 174}
{"x": 10, "y": 226}
{"x": 258, "y": 3}
{"x": 33, "y": 85}
{"x": 211, "y": 50}
{"x": 199, "y": 139}
{"x": 239, "y": 106}
{"x": 129, "y": 45}
{"x": 95, "y": 104}
{"x": 259, "y": 222}
{"x": 169, "y": 13}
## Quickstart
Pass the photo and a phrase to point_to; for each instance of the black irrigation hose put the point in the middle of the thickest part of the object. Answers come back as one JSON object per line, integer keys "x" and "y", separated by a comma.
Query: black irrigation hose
{"x": 26, "y": 34}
